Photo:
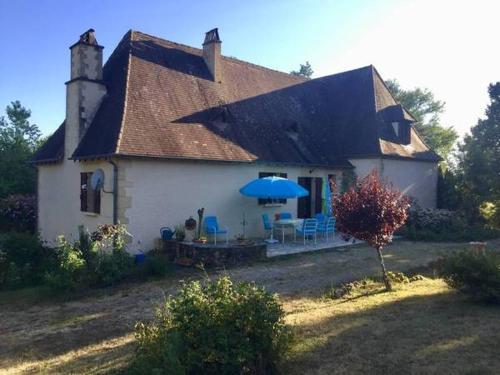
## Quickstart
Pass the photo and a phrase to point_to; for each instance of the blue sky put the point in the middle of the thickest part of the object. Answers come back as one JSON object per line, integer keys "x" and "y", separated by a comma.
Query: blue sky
{"x": 449, "y": 47}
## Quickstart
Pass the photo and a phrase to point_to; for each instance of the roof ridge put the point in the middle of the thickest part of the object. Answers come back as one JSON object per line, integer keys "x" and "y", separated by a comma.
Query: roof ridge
{"x": 373, "y": 73}
{"x": 390, "y": 92}
{"x": 343, "y": 72}
{"x": 223, "y": 56}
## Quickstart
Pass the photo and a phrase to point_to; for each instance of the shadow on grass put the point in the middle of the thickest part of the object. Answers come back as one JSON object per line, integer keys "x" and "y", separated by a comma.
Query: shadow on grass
{"x": 435, "y": 333}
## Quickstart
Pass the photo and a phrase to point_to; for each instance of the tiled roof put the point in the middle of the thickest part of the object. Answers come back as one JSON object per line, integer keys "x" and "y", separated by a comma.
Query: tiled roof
{"x": 162, "y": 103}
{"x": 53, "y": 149}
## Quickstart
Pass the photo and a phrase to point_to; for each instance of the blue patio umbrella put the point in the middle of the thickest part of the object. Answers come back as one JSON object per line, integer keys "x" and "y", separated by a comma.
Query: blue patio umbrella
{"x": 327, "y": 198}
{"x": 273, "y": 188}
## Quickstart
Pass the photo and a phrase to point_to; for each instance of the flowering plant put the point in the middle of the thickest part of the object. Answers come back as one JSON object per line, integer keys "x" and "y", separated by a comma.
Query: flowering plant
{"x": 18, "y": 212}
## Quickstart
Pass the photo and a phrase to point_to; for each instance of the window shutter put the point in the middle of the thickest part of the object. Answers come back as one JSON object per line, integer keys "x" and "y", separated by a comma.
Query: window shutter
{"x": 83, "y": 192}
{"x": 318, "y": 203}
{"x": 304, "y": 203}
{"x": 97, "y": 201}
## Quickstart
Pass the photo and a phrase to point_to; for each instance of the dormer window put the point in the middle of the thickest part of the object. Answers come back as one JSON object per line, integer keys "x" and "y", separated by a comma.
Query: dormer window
{"x": 401, "y": 132}
{"x": 395, "y": 126}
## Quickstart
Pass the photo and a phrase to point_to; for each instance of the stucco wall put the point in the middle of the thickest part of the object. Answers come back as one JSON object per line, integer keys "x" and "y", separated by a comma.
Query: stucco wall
{"x": 152, "y": 194}
{"x": 415, "y": 178}
{"x": 59, "y": 199}
{"x": 155, "y": 194}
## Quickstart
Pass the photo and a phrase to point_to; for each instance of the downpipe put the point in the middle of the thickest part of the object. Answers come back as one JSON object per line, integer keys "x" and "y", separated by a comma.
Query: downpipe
{"x": 115, "y": 191}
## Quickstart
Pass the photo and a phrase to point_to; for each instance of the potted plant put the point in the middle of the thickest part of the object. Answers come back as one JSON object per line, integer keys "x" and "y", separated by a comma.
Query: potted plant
{"x": 180, "y": 233}
{"x": 190, "y": 224}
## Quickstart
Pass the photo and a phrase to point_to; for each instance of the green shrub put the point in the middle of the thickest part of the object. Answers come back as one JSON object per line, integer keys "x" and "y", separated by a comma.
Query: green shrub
{"x": 490, "y": 212}
{"x": 444, "y": 225}
{"x": 156, "y": 264}
{"x": 23, "y": 259}
{"x": 97, "y": 259}
{"x": 475, "y": 274}
{"x": 70, "y": 269}
{"x": 456, "y": 233}
{"x": 216, "y": 328}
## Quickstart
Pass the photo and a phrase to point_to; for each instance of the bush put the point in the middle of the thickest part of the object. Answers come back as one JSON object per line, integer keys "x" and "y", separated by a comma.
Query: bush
{"x": 18, "y": 213}
{"x": 23, "y": 260}
{"x": 156, "y": 264}
{"x": 490, "y": 212}
{"x": 97, "y": 259}
{"x": 434, "y": 219}
{"x": 69, "y": 271}
{"x": 216, "y": 328}
{"x": 444, "y": 225}
{"x": 456, "y": 233}
{"x": 476, "y": 274}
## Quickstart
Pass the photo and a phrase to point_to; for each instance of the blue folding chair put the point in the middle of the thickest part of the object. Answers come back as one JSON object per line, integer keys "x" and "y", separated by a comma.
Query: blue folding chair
{"x": 212, "y": 228}
{"x": 268, "y": 226}
{"x": 309, "y": 229}
{"x": 328, "y": 227}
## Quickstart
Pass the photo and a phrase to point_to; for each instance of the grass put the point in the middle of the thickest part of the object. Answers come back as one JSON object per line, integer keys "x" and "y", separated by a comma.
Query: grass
{"x": 421, "y": 327}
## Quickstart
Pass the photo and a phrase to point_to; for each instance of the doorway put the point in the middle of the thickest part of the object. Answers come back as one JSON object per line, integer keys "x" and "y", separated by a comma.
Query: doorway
{"x": 312, "y": 204}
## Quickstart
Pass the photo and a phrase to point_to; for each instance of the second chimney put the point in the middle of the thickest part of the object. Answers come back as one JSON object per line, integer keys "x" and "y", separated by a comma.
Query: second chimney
{"x": 212, "y": 54}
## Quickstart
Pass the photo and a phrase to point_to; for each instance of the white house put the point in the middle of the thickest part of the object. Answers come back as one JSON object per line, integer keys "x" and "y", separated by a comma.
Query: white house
{"x": 176, "y": 128}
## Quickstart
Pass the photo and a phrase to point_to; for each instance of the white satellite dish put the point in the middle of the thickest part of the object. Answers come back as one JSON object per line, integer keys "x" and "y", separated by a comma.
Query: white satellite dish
{"x": 97, "y": 179}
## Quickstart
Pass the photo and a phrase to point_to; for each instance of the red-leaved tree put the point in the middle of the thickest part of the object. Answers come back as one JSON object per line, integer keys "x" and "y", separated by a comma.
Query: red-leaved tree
{"x": 371, "y": 210}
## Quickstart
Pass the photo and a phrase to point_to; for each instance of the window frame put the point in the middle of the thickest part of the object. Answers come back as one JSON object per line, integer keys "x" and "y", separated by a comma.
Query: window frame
{"x": 272, "y": 202}
{"x": 89, "y": 203}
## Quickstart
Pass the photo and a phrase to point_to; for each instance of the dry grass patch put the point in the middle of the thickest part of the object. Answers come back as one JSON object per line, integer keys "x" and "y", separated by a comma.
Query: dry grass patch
{"x": 422, "y": 327}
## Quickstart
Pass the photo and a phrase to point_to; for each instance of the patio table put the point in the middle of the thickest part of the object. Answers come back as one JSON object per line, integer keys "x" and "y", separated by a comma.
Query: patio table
{"x": 284, "y": 223}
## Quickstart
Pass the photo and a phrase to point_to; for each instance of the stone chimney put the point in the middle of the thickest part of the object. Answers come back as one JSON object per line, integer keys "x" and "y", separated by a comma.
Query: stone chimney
{"x": 212, "y": 54}
{"x": 85, "y": 90}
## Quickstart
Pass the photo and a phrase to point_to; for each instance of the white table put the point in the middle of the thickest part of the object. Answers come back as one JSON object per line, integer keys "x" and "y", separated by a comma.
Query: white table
{"x": 286, "y": 223}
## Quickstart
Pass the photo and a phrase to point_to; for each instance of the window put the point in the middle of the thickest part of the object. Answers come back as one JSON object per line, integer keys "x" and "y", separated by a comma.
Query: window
{"x": 272, "y": 201}
{"x": 395, "y": 126}
{"x": 90, "y": 199}
{"x": 402, "y": 132}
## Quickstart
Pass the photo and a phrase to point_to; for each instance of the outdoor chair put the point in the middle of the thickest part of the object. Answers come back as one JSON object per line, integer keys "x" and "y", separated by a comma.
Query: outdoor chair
{"x": 309, "y": 229}
{"x": 328, "y": 227}
{"x": 269, "y": 227}
{"x": 321, "y": 218}
{"x": 212, "y": 228}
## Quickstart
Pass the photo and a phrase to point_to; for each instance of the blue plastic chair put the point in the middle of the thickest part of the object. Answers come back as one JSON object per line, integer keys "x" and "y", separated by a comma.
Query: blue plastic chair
{"x": 309, "y": 229}
{"x": 328, "y": 227}
{"x": 285, "y": 215}
{"x": 212, "y": 228}
{"x": 321, "y": 220}
{"x": 268, "y": 226}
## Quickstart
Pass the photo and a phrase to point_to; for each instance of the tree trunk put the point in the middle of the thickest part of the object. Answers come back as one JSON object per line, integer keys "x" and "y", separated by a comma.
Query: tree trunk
{"x": 387, "y": 282}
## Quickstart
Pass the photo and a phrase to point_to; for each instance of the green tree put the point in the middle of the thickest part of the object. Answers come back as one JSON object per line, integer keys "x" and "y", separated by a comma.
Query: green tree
{"x": 304, "y": 71}
{"x": 18, "y": 141}
{"x": 479, "y": 156}
{"x": 427, "y": 110}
